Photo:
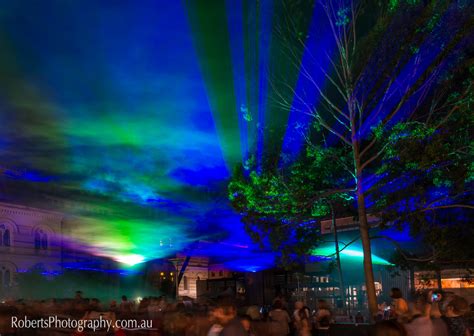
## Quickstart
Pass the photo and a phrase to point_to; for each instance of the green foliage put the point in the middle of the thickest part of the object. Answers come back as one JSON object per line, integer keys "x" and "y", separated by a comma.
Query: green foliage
{"x": 414, "y": 133}
{"x": 320, "y": 210}
{"x": 245, "y": 113}
{"x": 414, "y": 157}
{"x": 396, "y": 4}
{"x": 281, "y": 206}
{"x": 343, "y": 16}
{"x": 393, "y": 4}
{"x": 430, "y": 166}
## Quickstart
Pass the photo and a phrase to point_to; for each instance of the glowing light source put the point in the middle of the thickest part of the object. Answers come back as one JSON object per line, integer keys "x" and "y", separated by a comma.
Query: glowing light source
{"x": 348, "y": 254}
{"x": 131, "y": 259}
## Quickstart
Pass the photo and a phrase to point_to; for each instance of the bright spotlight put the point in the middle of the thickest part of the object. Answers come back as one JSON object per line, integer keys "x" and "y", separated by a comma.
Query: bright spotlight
{"x": 130, "y": 259}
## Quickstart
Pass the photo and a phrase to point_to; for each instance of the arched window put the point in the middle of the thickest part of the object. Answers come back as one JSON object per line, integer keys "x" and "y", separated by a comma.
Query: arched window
{"x": 44, "y": 242}
{"x": 41, "y": 240}
{"x": 37, "y": 240}
{"x": 5, "y": 277}
{"x": 5, "y": 239}
{"x": 185, "y": 282}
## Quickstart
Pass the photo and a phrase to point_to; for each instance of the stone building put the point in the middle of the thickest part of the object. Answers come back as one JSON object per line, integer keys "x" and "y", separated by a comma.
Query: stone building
{"x": 28, "y": 237}
{"x": 193, "y": 269}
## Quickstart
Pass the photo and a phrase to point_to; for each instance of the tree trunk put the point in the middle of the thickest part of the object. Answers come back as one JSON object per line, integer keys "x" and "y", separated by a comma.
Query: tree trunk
{"x": 438, "y": 278}
{"x": 364, "y": 230}
{"x": 367, "y": 251}
{"x": 363, "y": 223}
{"x": 338, "y": 257}
{"x": 412, "y": 281}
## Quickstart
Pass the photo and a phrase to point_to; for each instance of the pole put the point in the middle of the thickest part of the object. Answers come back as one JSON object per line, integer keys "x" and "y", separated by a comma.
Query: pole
{"x": 338, "y": 256}
{"x": 175, "y": 263}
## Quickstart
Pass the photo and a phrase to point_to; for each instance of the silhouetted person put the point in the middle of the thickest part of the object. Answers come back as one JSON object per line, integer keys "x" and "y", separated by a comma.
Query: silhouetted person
{"x": 279, "y": 319}
{"x": 304, "y": 325}
{"x": 419, "y": 321}
{"x": 226, "y": 314}
{"x": 247, "y": 324}
{"x": 323, "y": 315}
{"x": 94, "y": 305}
{"x": 125, "y": 306}
{"x": 78, "y": 296}
{"x": 389, "y": 328}
{"x": 113, "y": 306}
{"x": 399, "y": 304}
{"x": 454, "y": 316}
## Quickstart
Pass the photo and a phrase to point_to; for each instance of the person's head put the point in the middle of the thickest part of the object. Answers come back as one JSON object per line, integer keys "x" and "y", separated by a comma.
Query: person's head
{"x": 78, "y": 294}
{"x": 302, "y": 314}
{"x": 124, "y": 298}
{"x": 277, "y": 304}
{"x": 211, "y": 314}
{"x": 306, "y": 310}
{"x": 322, "y": 304}
{"x": 299, "y": 305}
{"x": 325, "y": 321}
{"x": 225, "y": 312}
{"x": 253, "y": 312}
{"x": 389, "y": 328}
{"x": 396, "y": 293}
{"x": 246, "y": 322}
{"x": 421, "y": 305}
{"x": 458, "y": 306}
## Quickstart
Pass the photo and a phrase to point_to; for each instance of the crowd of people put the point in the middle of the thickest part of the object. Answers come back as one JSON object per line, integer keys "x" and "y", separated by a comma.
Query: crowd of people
{"x": 430, "y": 314}
{"x": 182, "y": 318}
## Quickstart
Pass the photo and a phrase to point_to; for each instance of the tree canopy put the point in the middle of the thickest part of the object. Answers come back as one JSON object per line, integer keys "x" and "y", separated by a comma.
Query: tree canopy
{"x": 379, "y": 101}
{"x": 426, "y": 176}
{"x": 280, "y": 206}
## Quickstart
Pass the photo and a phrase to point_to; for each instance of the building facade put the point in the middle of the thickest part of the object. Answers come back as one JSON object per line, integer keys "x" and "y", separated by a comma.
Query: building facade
{"x": 457, "y": 281}
{"x": 189, "y": 270}
{"x": 29, "y": 237}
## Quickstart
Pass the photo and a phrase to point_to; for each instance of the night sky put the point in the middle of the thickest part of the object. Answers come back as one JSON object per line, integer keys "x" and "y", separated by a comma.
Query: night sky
{"x": 144, "y": 111}
{"x": 138, "y": 110}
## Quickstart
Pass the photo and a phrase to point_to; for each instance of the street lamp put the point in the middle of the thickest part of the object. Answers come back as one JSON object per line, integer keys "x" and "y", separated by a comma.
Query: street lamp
{"x": 175, "y": 262}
